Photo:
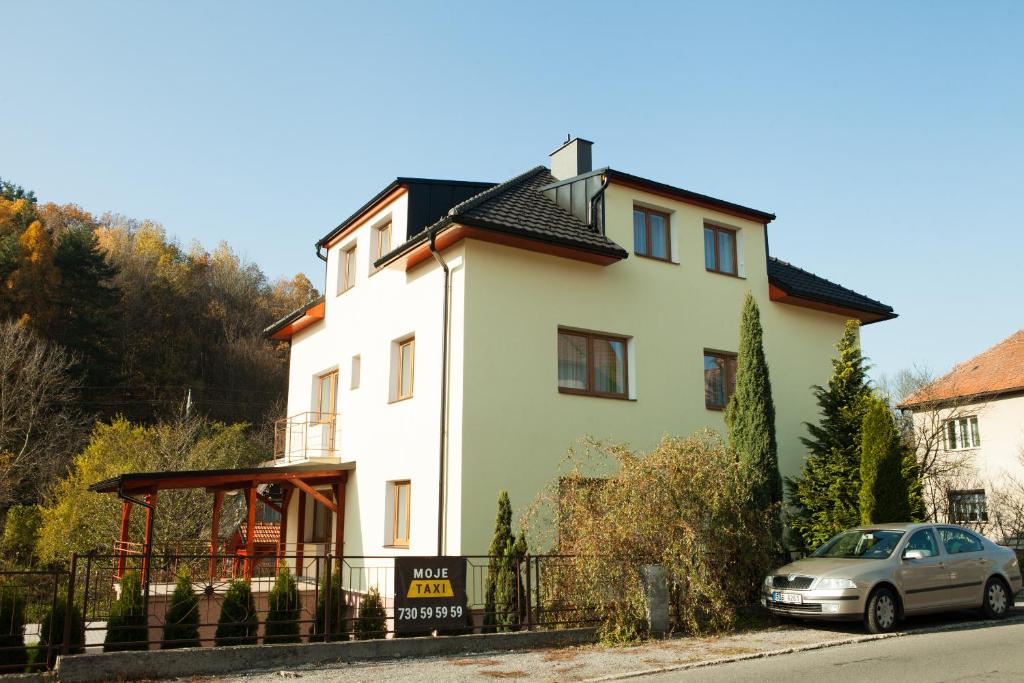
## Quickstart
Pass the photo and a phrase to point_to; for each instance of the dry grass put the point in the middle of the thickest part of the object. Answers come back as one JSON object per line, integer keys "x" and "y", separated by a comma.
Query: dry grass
{"x": 471, "y": 661}
{"x": 560, "y": 655}
{"x": 505, "y": 674}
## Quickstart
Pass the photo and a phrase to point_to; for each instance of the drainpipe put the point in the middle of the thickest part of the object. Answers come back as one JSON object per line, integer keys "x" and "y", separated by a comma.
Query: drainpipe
{"x": 443, "y": 445}
{"x": 593, "y": 202}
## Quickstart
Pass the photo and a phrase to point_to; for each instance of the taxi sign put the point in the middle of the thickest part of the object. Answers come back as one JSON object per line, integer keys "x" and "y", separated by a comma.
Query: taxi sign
{"x": 430, "y": 594}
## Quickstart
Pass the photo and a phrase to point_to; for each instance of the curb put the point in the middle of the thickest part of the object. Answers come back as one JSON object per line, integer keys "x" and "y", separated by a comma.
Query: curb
{"x": 214, "y": 661}
{"x": 1019, "y": 619}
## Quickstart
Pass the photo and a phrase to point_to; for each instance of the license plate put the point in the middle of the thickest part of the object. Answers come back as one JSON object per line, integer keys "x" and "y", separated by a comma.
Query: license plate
{"x": 787, "y": 598}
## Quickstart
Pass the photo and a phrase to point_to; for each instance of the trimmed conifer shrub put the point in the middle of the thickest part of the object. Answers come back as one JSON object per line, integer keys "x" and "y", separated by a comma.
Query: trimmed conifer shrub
{"x": 884, "y": 491}
{"x": 51, "y": 631}
{"x": 750, "y": 418}
{"x": 181, "y": 623}
{"x": 282, "y": 624}
{"x": 126, "y": 627}
{"x": 509, "y": 586}
{"x": 499, "y": 544}
{"x": 238, "y": 623}
{"x": 371, "y": 621}
{"x": 826, "y": 495}
{"x": 12, "y": 630}
{"x": 339, "y": 612}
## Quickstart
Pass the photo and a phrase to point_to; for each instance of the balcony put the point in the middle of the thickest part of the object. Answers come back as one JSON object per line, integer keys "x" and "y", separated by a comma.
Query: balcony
{"x": 307, "y": 436}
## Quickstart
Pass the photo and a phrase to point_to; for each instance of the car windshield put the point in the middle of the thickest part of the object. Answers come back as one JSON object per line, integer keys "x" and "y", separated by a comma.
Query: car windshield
{"x": 861, "y": 544}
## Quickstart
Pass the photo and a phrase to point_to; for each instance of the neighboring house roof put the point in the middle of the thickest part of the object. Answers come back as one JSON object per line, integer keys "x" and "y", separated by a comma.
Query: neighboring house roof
{"x": 995, "y": 372}
{"x": 800, "y": 287}
{"x": 264, "y": 532}
{"x": 518, "y": 207}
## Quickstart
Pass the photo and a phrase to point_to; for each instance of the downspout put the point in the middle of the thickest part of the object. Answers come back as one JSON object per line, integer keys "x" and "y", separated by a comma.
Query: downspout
{"x": 443, "y": 445}
{"x": 593, "y": 202}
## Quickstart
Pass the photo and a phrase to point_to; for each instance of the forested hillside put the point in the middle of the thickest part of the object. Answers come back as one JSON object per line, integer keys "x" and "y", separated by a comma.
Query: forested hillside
{"x": 107, "y": 316}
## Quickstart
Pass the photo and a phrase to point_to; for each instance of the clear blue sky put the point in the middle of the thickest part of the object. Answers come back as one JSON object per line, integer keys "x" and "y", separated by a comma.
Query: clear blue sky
{"x": 888, "y": 137}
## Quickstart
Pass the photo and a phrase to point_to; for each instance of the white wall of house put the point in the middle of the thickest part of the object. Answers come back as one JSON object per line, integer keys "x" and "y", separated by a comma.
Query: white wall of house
{"x": 1000, "y": 456}
{"x": 388, "y": 440}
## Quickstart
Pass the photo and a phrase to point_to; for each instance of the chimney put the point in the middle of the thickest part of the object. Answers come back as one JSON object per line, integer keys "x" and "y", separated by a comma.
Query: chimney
{"x": 571, "y": 159}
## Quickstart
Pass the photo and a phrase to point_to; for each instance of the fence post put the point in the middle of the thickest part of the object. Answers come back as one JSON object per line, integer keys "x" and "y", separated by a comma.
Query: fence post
{"x": 69, "y": 605}
{"x": 329, "y": 587}
{"x": 529, "y": 593}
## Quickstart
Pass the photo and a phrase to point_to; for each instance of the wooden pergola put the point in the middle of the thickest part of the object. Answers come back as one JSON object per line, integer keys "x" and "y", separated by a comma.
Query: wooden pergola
{"x": 141, "y": 488}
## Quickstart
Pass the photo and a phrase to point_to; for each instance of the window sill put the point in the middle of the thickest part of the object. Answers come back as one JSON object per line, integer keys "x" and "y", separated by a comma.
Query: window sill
{"x": 720, "y": 272}
{"x": 347, "y": 289}
{"x": 656, "y": 258}
{"x": 717, "y": 409}
{"x": 399, "y": 400}
{"x": 393, "y": 546}
{"x": 577, "y": 392}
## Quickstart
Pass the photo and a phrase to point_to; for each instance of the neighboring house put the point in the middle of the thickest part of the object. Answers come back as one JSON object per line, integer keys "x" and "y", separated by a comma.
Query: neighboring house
{"x": 971, "y": 424}
{"x": 470, "y": 333}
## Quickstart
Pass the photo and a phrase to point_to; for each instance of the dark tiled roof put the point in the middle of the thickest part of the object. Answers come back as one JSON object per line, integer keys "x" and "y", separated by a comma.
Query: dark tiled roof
{"x": 293, "y": 316}
{"x": 691, "y": 196}
{"x": 800, "y": 283}
{"x": 518, "y": 206}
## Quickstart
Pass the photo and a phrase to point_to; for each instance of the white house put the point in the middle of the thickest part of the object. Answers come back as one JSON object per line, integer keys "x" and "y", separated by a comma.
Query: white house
{"x": 974, "y": 416}
{"x": 471, "y": 332}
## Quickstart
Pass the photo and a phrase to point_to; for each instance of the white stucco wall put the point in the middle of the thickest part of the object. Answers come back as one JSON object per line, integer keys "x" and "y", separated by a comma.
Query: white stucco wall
{"x": 387, "y": 440}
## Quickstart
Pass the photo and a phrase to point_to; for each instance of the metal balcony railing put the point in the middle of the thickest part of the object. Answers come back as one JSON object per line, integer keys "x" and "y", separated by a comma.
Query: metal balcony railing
{"x": 307, "y": 435}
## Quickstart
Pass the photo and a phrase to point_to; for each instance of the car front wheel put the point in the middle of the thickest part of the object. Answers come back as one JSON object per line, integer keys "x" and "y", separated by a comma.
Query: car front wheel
{"x": 880, "y": 613}
{"x": 997, "y": 599}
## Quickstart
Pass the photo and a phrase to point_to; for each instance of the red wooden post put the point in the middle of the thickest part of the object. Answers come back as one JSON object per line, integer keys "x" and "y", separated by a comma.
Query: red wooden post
{"x": 147, "y": 543}
{"x": 339, "y": 518}
{"x": 300, "y": 535}
{"x": 218, "y": 501}
{"x": 250, "y": 530}
{"x": 122, "y": 550}
{"x": 282, "y": 537}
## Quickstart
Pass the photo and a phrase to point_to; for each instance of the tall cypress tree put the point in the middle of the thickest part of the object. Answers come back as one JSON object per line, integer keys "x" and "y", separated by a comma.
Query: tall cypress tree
{"x": 750, "y": 415}
{"x": 826, "y": 495}
{"x": 884, "y": 491}
{"x": 502, "y": 540}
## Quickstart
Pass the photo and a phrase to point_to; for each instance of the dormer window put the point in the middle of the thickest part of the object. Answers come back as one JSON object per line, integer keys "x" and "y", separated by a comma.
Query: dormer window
{"x": 383, "y": 239}
{"x": 651, "y": 234}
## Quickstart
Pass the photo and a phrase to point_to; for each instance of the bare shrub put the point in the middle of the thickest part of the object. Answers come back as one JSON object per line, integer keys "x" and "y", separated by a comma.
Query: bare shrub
{"x": 682, "y": 506}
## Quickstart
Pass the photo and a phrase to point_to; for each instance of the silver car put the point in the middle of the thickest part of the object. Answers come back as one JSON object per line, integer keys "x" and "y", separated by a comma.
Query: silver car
{"x": 881, "y": 573}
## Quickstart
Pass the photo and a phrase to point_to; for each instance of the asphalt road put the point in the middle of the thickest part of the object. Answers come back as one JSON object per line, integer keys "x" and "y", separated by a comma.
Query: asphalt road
{"x": 980, "y": 654}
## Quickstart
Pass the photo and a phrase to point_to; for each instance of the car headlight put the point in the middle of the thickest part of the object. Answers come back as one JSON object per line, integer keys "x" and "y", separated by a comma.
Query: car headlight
{"x": 768, "y": 581}
{"x": 834, "y": 584}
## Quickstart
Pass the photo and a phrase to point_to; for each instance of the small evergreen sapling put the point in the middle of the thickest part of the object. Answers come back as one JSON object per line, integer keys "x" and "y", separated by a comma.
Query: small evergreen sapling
{"x": 284, "y": 606}
{"x": 181, "y": 623}
{"x": 13, "y": 654}
{"x": 371, "y": 621}
{"x": 495, "y": 563}
{"x": 238, "y": 622}
{"x": 51, "y": 631}
{"x": 339, "y": 612}
{"x": 126, "y": 628}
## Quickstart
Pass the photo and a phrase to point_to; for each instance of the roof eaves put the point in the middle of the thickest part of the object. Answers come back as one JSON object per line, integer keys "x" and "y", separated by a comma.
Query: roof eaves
{"x": 688, "y": 194}
{"x": 391, "y": 187}
{"x": 292, "y": 317}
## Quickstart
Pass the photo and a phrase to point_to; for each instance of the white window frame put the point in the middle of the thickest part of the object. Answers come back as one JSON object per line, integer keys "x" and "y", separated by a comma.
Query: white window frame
{"x": 965, "y": 429}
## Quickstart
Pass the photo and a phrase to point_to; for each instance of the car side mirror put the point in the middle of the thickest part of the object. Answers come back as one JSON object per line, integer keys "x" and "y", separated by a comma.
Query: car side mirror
{"x": 913, "y": 555}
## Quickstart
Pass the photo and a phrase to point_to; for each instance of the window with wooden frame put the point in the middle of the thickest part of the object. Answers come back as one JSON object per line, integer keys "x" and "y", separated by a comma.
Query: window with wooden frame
{"x": 652, "y": 235}
{"x": 327, "y": 396}
{"x": 400, "y": 493}
{"x": 405, "y": 369}
{"x": 719, "y": 378}
{"x": 592, "y": 364}
{"x": 383, "y": 239}
{"x": 720, "y": 250}
{"x": 968, "y": 506}
{"x": 348, "y": 269}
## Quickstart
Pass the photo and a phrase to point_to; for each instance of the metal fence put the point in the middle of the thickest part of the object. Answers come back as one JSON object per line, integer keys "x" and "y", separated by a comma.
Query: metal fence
{"x": 84, "y": 608}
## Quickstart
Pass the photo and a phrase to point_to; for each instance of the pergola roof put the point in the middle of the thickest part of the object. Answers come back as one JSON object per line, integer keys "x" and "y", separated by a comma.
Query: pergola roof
{"x": 224, "y": 480}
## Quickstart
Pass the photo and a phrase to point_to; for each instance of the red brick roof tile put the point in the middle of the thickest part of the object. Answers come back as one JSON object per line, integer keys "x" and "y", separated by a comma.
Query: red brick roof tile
{"x": 266, "y": 532}
{"x": 998, "y": 370}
